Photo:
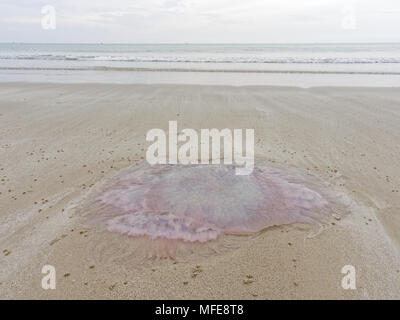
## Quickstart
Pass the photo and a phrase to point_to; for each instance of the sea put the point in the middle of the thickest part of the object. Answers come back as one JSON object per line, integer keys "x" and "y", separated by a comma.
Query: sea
{"x": 304, "y": 65}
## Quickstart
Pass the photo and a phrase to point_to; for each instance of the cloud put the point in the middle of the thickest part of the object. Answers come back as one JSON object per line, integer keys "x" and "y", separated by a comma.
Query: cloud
{"x": 22, "y": 20}
{"x": 202, "y": 20}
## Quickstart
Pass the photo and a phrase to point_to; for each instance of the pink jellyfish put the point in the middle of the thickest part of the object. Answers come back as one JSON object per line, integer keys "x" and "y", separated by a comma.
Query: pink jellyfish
{"x": 198, "y": 203}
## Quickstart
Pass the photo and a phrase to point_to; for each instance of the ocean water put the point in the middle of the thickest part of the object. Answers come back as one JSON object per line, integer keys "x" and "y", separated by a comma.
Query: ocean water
{"x": 233, "y": 64}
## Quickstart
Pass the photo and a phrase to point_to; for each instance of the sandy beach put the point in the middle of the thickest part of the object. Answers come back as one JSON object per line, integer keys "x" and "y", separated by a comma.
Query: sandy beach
{"x": 57, "y": 141}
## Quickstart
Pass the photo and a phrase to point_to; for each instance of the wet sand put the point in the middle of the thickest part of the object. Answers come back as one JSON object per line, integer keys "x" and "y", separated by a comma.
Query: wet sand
{"x": 58, "y": 141}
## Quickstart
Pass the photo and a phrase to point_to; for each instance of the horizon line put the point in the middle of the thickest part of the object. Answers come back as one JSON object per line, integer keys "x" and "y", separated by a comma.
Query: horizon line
{"x": 200, "y": 43}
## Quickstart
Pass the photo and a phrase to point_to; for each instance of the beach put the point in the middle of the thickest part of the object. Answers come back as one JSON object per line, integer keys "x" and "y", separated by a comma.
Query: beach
{"x": 58, "y": 141}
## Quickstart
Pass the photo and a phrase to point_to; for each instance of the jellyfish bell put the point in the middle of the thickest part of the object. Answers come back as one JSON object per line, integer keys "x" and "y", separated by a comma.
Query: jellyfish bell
{"x": 191, "y": 204}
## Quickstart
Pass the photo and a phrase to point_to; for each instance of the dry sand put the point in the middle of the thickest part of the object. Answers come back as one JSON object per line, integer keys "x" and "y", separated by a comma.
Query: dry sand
{"x": 56, "y": 141}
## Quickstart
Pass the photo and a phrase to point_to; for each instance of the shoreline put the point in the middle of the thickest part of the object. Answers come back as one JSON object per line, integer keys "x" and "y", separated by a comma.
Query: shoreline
{"x": 62, "y": 139}
{"x": 190, "y": 85}
{"x": 143, "y": 69}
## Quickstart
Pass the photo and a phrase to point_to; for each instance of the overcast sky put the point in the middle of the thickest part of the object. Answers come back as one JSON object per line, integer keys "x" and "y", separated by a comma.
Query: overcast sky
{"x": 203, "y": 21}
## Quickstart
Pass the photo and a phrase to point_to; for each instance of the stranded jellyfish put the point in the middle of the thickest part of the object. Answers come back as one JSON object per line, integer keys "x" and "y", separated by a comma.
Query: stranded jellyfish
{"x": 198, "y": 203}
